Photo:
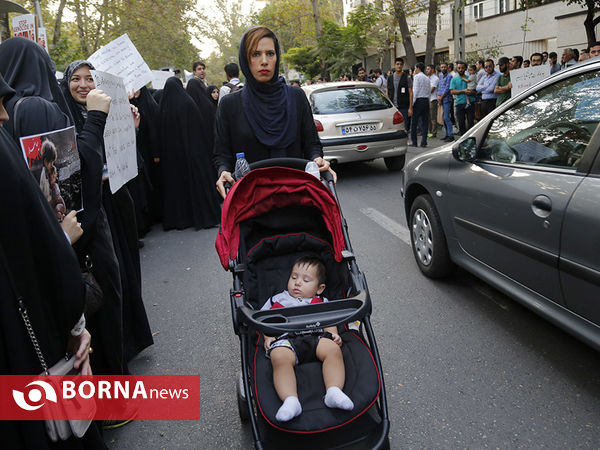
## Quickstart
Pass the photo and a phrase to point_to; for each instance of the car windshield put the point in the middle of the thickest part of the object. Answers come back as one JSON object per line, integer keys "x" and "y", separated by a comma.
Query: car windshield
{"x": 346, "y": 100}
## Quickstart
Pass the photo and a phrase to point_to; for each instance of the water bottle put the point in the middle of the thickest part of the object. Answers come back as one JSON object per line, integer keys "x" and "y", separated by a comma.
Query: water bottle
{"x": 313, "y": 169}
{"x": 241, "y": 166}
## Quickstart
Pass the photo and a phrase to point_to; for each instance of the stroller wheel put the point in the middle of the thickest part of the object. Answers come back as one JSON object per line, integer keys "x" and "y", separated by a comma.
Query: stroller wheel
{"x": 242, "y": 400}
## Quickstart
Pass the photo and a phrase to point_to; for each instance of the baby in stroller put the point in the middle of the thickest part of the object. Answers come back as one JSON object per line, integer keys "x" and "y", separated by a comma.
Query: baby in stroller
{"x": 305, "y": 285}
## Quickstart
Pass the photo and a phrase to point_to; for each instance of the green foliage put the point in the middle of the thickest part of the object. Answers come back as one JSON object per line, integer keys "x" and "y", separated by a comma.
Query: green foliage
{"x": 488, "y": 50}
{"x": 304, "y": 59}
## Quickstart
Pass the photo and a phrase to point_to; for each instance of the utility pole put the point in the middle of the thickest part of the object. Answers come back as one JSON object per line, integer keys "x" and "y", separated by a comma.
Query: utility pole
{"x": 459, "y": 31}
{"x": 38, "y": 13}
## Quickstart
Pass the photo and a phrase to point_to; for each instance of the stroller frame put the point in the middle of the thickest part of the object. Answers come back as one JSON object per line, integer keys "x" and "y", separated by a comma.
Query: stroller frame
{"x": 338, "y": 312}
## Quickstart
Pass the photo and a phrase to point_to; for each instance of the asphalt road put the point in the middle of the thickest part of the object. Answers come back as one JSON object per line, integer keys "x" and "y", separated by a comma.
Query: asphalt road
{"x": 465, "y": 366}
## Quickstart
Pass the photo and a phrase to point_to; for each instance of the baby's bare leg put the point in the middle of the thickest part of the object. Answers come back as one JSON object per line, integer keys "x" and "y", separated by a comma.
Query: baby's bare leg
{"x": 284, "y": 378}
{"x": 330, "y": 354}
{"x": 334, "y": 374}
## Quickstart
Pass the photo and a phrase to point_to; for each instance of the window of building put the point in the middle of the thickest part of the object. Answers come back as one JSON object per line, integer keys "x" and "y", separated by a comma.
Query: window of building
{"x": 477, "y": 10}
{"x": 503, "y": 6}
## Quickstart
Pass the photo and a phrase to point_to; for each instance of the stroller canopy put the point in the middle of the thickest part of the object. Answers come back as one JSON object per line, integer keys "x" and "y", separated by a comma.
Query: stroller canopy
{"x": 263, "y": 190}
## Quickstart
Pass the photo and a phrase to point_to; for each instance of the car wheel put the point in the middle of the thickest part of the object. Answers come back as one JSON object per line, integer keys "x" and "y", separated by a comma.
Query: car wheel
{"x": 394, "y": 163}
{"x": 242, "y": 401}
{"x": 428, "y": 240}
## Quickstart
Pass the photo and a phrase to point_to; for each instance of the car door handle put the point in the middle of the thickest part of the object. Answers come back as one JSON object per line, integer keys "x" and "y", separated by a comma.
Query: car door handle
{"x": 541, "y": 206}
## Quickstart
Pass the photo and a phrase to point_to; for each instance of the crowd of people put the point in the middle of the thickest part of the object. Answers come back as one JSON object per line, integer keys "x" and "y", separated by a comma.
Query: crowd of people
{"x": 455, "y": 95}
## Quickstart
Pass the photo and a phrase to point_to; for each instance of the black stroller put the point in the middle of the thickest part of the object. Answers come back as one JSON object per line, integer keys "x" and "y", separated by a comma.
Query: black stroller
{"x": 271, "y": 217}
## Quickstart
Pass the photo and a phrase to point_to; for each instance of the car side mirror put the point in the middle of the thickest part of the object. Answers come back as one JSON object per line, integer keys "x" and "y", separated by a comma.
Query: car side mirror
{"x": 466, "y": 150}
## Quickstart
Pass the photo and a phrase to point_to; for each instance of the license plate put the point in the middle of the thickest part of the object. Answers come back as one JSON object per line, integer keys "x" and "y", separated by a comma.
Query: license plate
{"x": 355, "y": 129}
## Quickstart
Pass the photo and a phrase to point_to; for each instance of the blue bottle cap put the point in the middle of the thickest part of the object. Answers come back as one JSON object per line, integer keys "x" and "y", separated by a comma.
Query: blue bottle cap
{"x": 240, "y": 155}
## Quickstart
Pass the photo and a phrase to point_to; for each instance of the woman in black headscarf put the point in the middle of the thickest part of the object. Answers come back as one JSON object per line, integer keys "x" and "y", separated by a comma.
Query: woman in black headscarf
{"x": 212, "y": 92}
{"x": 37, "y": 258}
{"x": 120, "y": 213}
{"x": 266, "y": 119}
{"x": 40, "y": 111}
{"x": 142, "y": 187}
{"x": 189, "y": 197}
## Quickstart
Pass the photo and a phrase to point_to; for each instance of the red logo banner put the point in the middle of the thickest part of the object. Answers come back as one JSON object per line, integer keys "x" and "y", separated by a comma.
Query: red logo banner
{"x": 99, "y": 397}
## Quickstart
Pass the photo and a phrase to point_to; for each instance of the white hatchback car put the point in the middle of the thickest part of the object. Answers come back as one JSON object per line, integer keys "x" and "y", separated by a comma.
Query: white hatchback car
{"x": 357, "y": 122}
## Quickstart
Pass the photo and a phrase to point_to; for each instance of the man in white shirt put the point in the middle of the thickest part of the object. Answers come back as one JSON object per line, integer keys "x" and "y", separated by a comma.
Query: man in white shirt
{"x": 421, "y": 96}
{"x": 232, "y": 71}
{"x": 433, "y": 100}
{"x": 380, "y": 81}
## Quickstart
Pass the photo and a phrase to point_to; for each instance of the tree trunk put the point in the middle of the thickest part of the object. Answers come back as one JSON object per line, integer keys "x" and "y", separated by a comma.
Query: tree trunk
{"x": 81, "y": 28}
{"x": 590, "y": 23}
{"x": 58, "y": 22}
{"x": 431, "y": 30}
{"x": 411, "y": 57}
{"x": 318, "y": 34}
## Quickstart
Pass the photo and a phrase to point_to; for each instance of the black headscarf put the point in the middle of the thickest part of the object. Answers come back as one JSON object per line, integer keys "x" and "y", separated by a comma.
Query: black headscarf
{"x": 6, "y": 92}
{"x": 28, "y": 69}
{"x": 209, "y": 89}
{"x": 77, "y": 110}
{"x": 270, "y": 107}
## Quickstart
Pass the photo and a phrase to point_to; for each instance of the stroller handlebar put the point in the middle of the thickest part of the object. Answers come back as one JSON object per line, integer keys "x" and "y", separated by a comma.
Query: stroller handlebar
{"x": 292, "y": 163}
{"x": 320, "y": 315}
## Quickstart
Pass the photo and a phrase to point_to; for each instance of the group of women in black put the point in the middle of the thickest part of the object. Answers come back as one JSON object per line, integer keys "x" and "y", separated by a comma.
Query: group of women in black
{"x": 179, "y": 176}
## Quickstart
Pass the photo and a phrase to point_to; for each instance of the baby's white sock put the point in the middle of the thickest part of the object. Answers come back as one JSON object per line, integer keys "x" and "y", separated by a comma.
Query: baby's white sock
{"x": 291, "y": 408}
{"x": 335, "y": 398}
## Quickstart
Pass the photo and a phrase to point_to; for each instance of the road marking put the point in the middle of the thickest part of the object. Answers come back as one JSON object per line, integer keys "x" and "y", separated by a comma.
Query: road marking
{"x": 388, "y": 224}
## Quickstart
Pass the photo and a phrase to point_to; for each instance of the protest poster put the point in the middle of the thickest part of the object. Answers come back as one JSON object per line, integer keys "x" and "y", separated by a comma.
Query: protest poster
{"x": 160, "y": 77}
{"x": 121, "y": 58}
{"x": 522, "y": 79}
{"x": 42, "y": 38}
{"x": 53, "y": 160}
{"x": 119, "y": 132}
{"x": 24, "y": 26}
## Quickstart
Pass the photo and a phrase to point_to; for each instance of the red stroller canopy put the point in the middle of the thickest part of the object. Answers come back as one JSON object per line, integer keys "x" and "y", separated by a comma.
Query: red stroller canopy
{"x": 275, "y": 187}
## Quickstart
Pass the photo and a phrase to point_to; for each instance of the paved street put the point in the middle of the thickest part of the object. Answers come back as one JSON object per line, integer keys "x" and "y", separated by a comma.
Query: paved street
{"x": 465, "y": 367}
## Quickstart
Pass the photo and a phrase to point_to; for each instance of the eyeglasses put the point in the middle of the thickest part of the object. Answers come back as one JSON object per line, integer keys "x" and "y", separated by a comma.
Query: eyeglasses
{"x": 487, "y": 67}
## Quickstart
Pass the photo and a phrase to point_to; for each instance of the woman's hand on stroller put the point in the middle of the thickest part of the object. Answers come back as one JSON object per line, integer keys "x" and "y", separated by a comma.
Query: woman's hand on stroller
{"x": 225, "y": 177}
{"x": 325, "y": 166}
{"x": 268, "y": 341}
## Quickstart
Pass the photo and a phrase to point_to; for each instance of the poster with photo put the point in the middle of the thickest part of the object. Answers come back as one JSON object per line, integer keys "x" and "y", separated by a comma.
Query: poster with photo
{"x": 54, "y": 162}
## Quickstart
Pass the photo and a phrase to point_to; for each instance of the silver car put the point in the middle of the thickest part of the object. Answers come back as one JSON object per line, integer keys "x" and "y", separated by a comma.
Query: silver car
{"x": 357, "y": 122}
{"x": 517, "y": 201}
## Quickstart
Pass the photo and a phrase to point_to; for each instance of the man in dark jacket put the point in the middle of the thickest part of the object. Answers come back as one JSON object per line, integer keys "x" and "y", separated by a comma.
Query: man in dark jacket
{"x": 399, "y": 91}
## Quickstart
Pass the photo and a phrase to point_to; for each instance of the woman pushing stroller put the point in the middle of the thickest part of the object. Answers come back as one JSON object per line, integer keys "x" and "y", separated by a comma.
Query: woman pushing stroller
{"x": 305, "y": 286}
{"x": 266, "y": 119}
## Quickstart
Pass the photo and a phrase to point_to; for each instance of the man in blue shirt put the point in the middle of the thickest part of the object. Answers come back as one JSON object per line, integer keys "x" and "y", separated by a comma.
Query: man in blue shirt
{"x": 445, "y": 98}
{"x": 486, "y": 86}
{"x": 458, "y": 88}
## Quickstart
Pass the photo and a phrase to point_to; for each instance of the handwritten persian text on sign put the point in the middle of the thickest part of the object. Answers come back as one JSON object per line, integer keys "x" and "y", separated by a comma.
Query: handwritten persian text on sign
{"x": 119, "y": 133}
{"x": 121, "y": 58}
{"x": 524, "y": 78}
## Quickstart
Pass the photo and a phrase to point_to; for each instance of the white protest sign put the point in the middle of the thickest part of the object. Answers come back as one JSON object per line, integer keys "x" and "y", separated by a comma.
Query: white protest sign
{"x": 42, "y": 38}
{"x": 121, "y": 58}
{"x": 119, "y": 133}
{"x": 24, "y": 26}
{"x": 160, "y": 77}
{"x": 522, "y": 79}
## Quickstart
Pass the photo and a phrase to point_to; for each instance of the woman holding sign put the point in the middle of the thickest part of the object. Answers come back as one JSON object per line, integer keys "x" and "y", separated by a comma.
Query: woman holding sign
{"x": 267, "y": 118}
{"x": 77, "y": 86}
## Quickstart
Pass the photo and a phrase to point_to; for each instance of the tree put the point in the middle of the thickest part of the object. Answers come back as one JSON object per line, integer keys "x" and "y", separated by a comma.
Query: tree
{"x": 400, "y": 13}
{"x": 431, "y": 31}
{"x": 592, "y": 18}
{"x": 303, "y": 59}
